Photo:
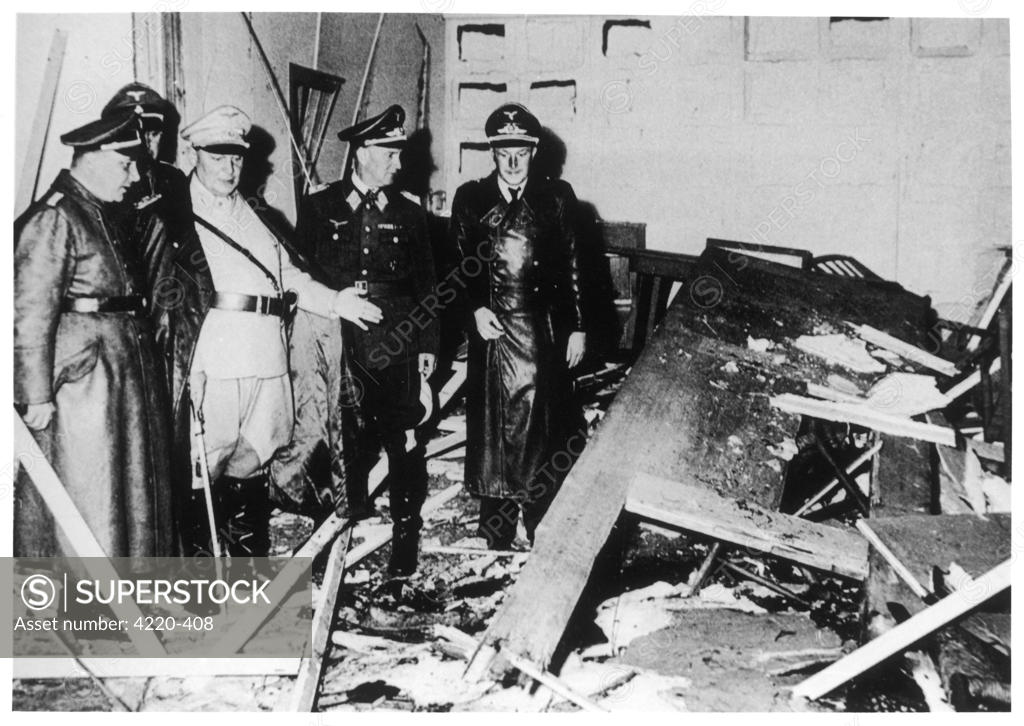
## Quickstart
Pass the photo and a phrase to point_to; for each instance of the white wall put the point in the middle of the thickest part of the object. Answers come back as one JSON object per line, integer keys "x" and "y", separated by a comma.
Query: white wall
{"x": 97, "y": 62}
{"x": 888, "y": 141}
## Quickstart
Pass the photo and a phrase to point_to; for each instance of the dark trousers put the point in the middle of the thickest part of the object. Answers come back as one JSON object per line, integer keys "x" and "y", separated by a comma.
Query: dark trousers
{"x": 391, "y": 405}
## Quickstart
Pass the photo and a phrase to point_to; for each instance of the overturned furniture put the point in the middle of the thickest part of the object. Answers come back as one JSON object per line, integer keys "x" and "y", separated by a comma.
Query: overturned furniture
{"x": 699, "y": 438}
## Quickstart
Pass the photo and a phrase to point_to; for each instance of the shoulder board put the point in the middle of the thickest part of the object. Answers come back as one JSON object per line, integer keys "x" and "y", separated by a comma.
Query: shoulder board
{"x": 53, "y": 198}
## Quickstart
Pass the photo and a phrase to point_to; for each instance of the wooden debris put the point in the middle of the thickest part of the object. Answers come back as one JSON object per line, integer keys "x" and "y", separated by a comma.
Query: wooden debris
{"x": 840, "y": 350}
{"x": 831, "y": 486}
{"x": 905, "y": 634}
{"x": 905, "y": 350}
{"x": 468, "y": 644}
{"x": 700, "y": 510}
{"x": 866, "y": 416}
{"x": 302, "y": 697}
{"x": 898, "y": 567}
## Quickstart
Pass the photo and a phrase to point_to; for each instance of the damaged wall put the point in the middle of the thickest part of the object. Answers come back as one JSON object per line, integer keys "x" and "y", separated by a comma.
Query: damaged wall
{"x": 221, "y": 65}
{"x": 887, "y": 140}
{"x": 97, "y": 61}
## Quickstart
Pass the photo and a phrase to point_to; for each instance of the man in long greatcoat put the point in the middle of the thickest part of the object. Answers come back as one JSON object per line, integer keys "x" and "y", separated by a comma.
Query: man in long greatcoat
{"x": 519, "y": 230}
{"x": 86, "y": 375}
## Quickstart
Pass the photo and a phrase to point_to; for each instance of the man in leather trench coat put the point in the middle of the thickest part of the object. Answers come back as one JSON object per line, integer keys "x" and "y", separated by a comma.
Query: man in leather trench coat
{"x": 235, "y": 277}
{"x": 86, "y": 373}
{"x": 361, "y": 231}
{"x": 527, "y": 330}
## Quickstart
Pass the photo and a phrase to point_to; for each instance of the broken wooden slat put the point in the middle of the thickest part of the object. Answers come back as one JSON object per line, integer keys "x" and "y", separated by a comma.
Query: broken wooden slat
{"x": 905, "y": 634}
{"x": 33, "y": 163}
{"x": 864, "y": 416}
{"x": 904, "y": 349}
{"x": 830, "y": 487}
{"x": 972, "y": 380}
{"x": 468, "y": 644}
{"x": 923, "y": 541}
{"x": 984, "y": 316}
{"x": 302, "y": 697}
{"x": 898, "y": 567}
{"x": 78, "y": 535}
{"x": 700, "y": 510}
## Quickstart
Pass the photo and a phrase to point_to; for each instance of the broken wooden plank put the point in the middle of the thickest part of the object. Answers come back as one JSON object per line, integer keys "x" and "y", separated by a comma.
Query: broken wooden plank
{"x": 894, "y": 562}
{"x": 45, "y": 668}
{"x": 236, "y": 638}
{"x": 33, "y": 163}
{"x": 468, "y": 644}
{"x": 905, "y": 634}
{"x": 904, "y": 350}
{"x": 864, "y": 416}
{"x": 922, "y": 542}
{"x": 984, "y": 316}
{"x": 78, "y": 536}
{"x": 700, "y": 510}
{"x": 834, "y": 482}
{"x": 302, "y": 696}
{"x": 972, "y": 380}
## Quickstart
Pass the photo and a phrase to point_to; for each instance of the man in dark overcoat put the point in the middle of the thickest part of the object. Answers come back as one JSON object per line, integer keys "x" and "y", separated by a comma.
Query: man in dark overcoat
{"x": 517, "y": 230}
{"x": 86, "y": 373}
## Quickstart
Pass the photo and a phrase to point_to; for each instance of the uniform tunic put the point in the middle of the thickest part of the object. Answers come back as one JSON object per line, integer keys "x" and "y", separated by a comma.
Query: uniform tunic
{"x": 108, "y": 439}
{"x": 244, "y": 354}
{"x": 383, "y": 244}
{"x": 517, "y": 385}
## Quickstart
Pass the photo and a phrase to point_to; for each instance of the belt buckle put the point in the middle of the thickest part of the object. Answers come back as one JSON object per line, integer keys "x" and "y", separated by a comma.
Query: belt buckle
{"x": 362, "y": 286}
{"x": 264, "y": 304}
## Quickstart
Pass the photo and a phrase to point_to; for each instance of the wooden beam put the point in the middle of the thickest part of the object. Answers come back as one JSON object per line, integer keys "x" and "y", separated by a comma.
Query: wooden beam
{"x": 864, "y": 416}
{"x": 894, "y": 562}
{"x": 972, "y": 380}
{"x": 79, "y": 536}
{"x": 696, "y": 509}
{"x": 44, "y": 668}
{"x": 904, "y": 350}
{"x": 985, "y": 315}
{"x": 302, "y": 697}
{"x": 33, "y": 163}
{"x": 906, "y": 634}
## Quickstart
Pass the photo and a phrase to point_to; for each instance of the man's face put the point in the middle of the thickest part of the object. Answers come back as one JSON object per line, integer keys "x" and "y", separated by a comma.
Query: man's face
{"x": 108, "y": 174}
{"x": 219, "y": 172}
{"x": 513, "y": 163}
{"x": 152, "y": 142}
{"x": 377, "y": 165}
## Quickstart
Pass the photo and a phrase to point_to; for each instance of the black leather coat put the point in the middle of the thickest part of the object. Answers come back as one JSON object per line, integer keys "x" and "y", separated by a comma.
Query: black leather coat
{"x": 521, "y": 262}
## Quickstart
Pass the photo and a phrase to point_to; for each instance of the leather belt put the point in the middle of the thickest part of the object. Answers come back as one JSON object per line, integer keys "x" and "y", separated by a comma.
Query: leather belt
{"x": 392, "y": 288}
{"x": 261, "y": 304}
{"x": 116, "y": 304}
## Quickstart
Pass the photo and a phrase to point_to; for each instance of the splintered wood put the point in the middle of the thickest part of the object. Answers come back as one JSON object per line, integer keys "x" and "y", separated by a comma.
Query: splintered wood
{"x": 695, "y": 509}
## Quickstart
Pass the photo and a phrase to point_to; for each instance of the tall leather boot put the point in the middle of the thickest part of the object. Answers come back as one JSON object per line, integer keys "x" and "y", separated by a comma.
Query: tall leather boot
{"x": 247, "y": 516}
{"x": 408, "y": 491}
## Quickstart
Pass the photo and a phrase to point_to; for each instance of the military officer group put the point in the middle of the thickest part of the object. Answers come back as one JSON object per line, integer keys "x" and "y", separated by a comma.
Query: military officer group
{"x": 187, "y": 365}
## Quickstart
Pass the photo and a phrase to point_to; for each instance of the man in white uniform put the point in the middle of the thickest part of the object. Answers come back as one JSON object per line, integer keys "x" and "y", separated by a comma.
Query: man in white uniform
{"x": 238, "y": 377}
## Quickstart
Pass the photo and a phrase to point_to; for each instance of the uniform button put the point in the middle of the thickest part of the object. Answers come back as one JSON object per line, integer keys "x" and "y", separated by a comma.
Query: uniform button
{"x": 363, "y": 272}
{"x": 366, "y": 250}
{"x": 535, "y": 263}
{"x": 536, "y": 289}
{"x": 394, "y": 239}
{"x": 366, "y": 229}
{"x": 334, "y": 236}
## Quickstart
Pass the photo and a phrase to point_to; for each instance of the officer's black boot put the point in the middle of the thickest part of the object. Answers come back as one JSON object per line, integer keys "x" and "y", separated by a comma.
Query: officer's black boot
{"x": 407, "y": 493}
{"x": 247, "y": 516}
{"x": 498, "y": 520}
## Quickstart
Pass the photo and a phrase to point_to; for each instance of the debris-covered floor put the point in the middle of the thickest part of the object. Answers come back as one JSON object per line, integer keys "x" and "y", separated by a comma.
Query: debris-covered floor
{"x": 641, "y": 640}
